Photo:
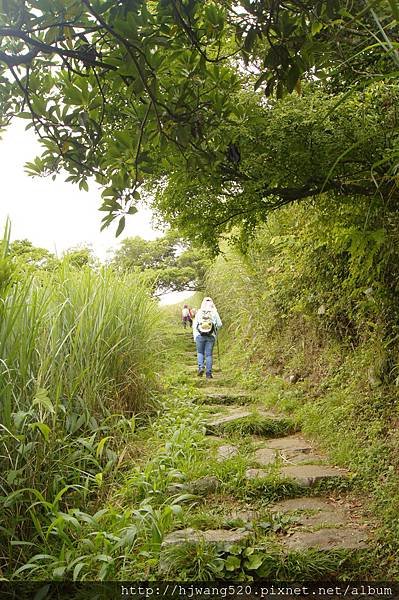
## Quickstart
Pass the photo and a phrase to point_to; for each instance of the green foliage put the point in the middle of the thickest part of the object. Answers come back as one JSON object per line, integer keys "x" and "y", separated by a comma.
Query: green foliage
{"x": 193, "y": 562}
{"x": 169, "y": 263}
{"x": 313, "y": 146}
{"x": 28, "y": 258}
{"x": 321, "y": 308}
{"x": 80, "y": 257}
{"x": 121, "y": 92}
{"x": 79, "y": 354}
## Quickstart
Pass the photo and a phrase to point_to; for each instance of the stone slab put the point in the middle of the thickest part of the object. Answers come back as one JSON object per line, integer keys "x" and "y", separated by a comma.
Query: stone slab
{"x": 308, "y": 475}
{"x": 225, "y": 396}
{"x": 231, "y": 416}
{"x": 295, "y": 457}
{"x": 288, "y": 442}
{"x": 221, "y": 538}
{"x": 265, "y": 456}
{"x": 244, "y": 515}
{"x": 225, "y": 452}
{"x": 235, "y": 413}
{"x": 255, "y": 473}
{"x": 203, "y": 485}
{"x": 218, "y": 537}
{"x": 312, "y": 512}
{"x": 324, "y": 518}
{"x": 326, "y": 539}
{"x": 306, "y": 503}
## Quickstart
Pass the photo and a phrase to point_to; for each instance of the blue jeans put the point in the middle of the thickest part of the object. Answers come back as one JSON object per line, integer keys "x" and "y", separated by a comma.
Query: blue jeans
{"x": 204, "y": 344}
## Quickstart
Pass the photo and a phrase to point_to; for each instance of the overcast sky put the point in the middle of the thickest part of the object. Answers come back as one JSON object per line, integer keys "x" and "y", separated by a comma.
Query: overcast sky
{"x": 54, "y": 214}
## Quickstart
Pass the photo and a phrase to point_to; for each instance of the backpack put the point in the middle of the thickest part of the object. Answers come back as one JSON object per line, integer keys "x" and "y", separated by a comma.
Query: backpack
{"x": 205, "y": 324}
{"x": 185, "y": 312}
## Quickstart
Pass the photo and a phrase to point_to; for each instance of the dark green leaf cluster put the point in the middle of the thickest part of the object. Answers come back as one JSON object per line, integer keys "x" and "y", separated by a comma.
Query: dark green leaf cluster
{"x": 124, "y": 91}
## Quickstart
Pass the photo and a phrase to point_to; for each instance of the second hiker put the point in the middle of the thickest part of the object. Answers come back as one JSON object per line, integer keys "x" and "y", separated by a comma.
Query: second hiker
{"x": 205, "y": 327}
{"x": 185, "y": 316}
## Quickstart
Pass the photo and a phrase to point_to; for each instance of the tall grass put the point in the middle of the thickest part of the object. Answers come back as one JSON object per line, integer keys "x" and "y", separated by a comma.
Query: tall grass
{"x": 79, "y": 355}
{"x": 88, "y": 338}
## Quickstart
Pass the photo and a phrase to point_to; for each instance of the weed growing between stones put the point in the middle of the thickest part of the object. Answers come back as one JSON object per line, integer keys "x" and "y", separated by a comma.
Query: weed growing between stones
{"x": 256, "y": 424}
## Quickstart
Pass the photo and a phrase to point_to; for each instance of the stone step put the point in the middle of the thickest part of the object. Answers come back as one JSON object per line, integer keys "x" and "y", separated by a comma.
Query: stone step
{"x": 219, "y": 537}
{"x": 203, "y": 486}
{"x": 222, "y": 539}
{"x": 341, "y": 538}
{"x": 313, "y": 512}
{"x": 225, "y": 396}
{"x": 292, "y": 457}
{"x": 309, "y": 475}
{"x": 265, "y": 456}
{"x": 249, "y": 419}
{"x": 292, "y": 443}
{"x": 256, "y": 473}
{"x": 235, "y": 414}
{"x": 225, "y": 452}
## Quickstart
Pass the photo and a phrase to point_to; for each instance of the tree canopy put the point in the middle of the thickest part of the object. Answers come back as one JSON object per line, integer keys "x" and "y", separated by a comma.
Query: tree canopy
{"x": 124, "y": 91}
{"x": 169, "y": 263}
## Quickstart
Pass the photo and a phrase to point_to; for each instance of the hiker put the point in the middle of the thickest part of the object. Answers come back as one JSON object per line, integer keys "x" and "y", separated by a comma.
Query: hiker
{"x": 193, "y": 312}
{"x": 185, "y": 316}
{"x": 205, "y": 327}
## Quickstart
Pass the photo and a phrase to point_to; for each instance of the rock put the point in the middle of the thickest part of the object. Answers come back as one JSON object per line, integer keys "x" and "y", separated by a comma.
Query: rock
{"x": 308, "y": 475}
{"x": 226, "y": 452}
{"x": 231, "y": 416}
{"x": 203, "y": 485}
{"x": 322, "y": 512}
{"x": 255, "y": 473}
{"x": 219, "y": 537}
{"x": 326, "y": 539}
{"x": 178, "y": 488}
{"x": 294, "y": 457}
{"x": 296, "y": 443}
{"x": 225, "y": 396}
{"x": 247, "y": 516}
{"x": 265, "y": 456}
{"x": 306, "y": 503}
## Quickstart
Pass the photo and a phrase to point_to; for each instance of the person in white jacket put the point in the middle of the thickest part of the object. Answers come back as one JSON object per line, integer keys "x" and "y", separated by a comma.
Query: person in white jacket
{"x": 205, "y": 328}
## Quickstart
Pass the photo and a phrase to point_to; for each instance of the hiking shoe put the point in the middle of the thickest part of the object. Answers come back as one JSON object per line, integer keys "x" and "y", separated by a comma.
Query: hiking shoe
{"x": 200, "y": 372}
{"x": 209, "y": 376}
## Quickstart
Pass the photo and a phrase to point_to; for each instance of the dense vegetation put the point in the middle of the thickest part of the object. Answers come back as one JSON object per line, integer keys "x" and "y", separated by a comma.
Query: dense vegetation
{"x": 80, "y": 351}
{"x": 312, "y": 311}
{"x": 169, "y": 264}
{"x": 262, "y": 131}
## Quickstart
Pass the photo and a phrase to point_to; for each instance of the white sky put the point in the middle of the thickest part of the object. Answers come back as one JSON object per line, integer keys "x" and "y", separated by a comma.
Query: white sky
{"x": 55, "y": 214}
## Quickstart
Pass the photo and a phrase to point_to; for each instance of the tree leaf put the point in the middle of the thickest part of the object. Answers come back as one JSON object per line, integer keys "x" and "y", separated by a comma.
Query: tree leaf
{"x": 121, "y": 226}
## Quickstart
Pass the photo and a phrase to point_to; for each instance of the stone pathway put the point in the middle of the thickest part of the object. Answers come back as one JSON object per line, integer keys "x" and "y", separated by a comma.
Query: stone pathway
{"x": 314, "y": 521}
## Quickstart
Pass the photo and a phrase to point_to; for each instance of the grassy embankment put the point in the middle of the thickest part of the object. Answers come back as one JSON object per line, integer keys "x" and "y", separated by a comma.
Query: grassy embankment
{"x": 80, "y": 353}
{"x": 311, "y": 324}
